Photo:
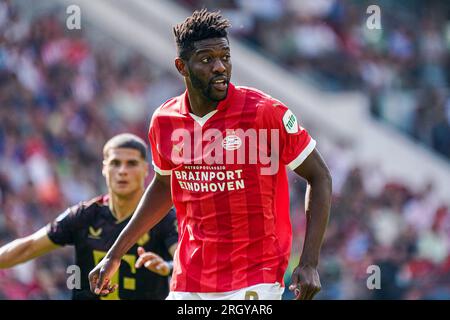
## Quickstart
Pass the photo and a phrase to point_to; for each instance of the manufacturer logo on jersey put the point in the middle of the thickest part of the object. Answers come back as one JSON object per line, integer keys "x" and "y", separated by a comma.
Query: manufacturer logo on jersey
{"x": 290, "y": 122}
{"x": 95, "y": 233}
{"x": 231, "y": 142}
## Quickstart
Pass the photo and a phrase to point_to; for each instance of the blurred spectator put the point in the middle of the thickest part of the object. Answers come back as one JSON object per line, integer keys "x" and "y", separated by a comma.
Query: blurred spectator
{"x": 60, "y": 100}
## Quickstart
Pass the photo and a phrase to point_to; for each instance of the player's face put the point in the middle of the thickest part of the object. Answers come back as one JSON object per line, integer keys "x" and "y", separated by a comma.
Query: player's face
{"x": 125, "y": 171}
{"x": 210, "y": 68}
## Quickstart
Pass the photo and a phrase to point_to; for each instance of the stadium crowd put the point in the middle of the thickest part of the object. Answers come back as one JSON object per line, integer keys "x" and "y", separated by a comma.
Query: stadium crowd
{"x": 61, "y": 99}
{"x": 403, "y": 67}
{"x": 62, "y": 96}
{"x": 376, "y": 221}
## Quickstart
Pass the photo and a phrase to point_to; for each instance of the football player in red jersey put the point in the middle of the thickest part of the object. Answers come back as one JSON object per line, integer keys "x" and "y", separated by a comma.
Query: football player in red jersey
{"x": 220, "y": 154}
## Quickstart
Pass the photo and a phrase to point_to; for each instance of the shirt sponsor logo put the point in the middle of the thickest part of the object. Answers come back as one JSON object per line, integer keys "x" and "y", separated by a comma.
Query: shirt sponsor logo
{"x": 210, "y": 181}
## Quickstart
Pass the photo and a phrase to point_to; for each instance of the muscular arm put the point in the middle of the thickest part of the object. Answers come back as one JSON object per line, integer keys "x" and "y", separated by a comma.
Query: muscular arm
{"x": 27, "y": 248}
{"x": 153, "y": 206}
{"x": 317, "y": 205}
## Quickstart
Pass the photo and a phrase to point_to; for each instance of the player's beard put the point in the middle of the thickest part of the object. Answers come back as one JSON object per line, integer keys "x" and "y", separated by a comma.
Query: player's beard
{"x": 205, "y": 88}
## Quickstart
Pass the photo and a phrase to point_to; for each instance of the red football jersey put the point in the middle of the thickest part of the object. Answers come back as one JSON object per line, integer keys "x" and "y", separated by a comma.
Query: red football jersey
{"x": 229, "y": 187}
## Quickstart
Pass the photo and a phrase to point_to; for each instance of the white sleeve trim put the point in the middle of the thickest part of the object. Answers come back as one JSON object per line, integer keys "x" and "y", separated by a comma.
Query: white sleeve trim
{"x": 160, "y": 171}
{"x": 303, "y": 155}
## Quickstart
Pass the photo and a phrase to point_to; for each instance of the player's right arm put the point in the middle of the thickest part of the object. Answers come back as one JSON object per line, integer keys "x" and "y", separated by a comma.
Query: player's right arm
{"x": 25, "y": 249}
{"x": 153, "y": 206}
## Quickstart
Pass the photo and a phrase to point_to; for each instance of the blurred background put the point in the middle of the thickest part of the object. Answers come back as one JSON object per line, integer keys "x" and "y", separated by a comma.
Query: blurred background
{"x": 376, "y": 100}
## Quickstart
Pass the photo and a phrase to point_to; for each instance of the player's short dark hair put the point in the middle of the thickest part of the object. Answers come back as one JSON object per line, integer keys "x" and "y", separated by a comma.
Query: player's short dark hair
{"x": 202, "y": 24}
{"x": 128, "y": 141}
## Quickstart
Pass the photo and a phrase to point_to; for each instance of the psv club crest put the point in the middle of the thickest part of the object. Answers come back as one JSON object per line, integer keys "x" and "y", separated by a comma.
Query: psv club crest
{"x": 231, "y": 142}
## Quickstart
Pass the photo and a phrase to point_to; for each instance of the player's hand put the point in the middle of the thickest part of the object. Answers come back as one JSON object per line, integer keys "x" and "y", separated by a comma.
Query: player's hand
{"x": 305, "y": 282}
{"x": 99, "y": 277}
{"x": 152, "y": 262}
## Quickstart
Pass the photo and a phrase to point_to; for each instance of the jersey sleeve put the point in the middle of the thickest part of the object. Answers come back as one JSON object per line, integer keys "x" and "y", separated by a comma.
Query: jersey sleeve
{"x": 62, "y": 230}
{"x": 160, "y": 165}
{"x": 168, "y": 229}
{"x": 295, "y": 143}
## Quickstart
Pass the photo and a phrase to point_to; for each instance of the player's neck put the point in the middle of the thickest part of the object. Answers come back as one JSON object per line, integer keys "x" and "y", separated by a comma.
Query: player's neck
{"x": 200, "y": 105}
{"x": 123, "y": 207}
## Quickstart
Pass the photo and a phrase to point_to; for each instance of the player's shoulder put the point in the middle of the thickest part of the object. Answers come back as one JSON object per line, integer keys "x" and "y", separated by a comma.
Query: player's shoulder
{"x": 269, "y": 110}
{"x": 251, "y": 91}
{"x": 94, "y": 203}
{"x": 264, "y": 101}
{"x": 91, "y": 207}
{"x": 169, "y": 106}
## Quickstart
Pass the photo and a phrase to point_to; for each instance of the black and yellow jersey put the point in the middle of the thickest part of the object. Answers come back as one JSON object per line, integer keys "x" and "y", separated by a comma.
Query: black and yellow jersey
{"x": 92, "y": 229}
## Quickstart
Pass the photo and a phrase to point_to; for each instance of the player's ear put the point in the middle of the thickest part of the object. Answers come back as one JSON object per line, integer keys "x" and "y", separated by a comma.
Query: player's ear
{"x": 181, "y": 66}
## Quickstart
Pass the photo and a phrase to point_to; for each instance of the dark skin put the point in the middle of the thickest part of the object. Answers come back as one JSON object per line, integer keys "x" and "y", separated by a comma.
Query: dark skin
{"x": 207, "y": 72}
{"x": 209, "y": 61}
{"x": 305, "y": 277}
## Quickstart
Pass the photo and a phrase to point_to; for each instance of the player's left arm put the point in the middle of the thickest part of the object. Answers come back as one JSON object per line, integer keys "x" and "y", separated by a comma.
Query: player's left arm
{"x": 305, "y": 278}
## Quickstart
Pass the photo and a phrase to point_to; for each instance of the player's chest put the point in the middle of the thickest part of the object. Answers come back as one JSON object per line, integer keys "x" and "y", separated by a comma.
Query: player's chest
{"x": 101, "y": 236}
{"x": 230, "y": 140}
